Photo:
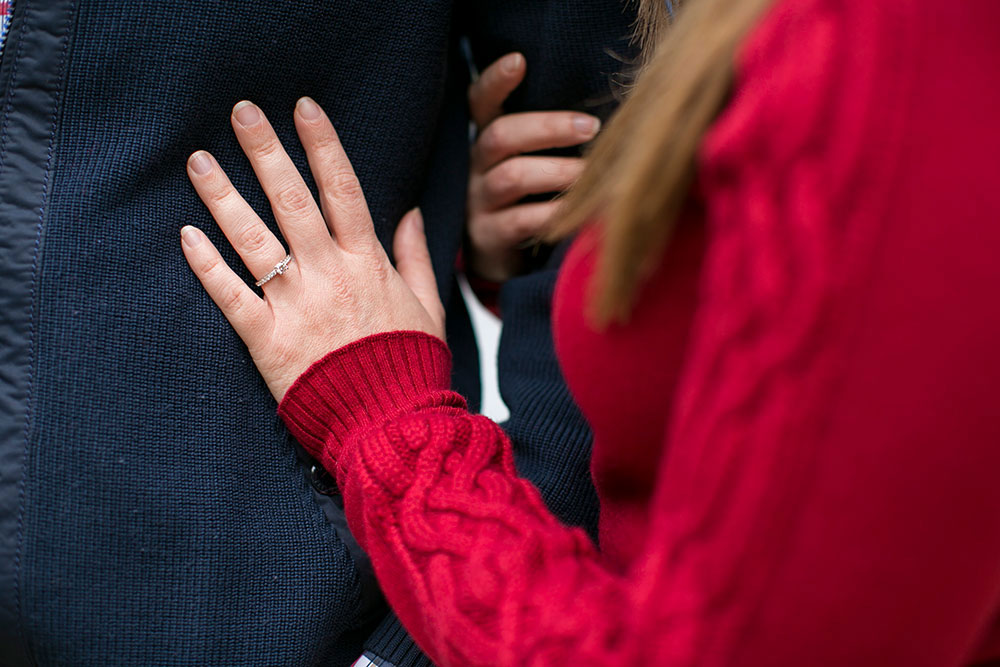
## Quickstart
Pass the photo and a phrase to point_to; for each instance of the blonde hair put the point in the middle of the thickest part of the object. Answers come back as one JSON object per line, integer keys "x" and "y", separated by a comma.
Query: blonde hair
{"x": 641, "y": 169}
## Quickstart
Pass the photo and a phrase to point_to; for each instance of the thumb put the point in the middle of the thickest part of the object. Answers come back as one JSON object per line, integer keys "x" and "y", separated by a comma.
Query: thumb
{"x": 488, "y": 93}
{"x": 413, "y": 262}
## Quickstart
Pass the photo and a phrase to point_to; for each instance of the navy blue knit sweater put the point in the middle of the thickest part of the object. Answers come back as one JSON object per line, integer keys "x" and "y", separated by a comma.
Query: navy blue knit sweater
{"x": 153, "y": 510}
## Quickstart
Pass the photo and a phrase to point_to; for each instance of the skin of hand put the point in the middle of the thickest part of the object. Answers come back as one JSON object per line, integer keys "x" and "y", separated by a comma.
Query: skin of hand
{"x": 340, "y": 285}
{"x": 501, "y": 175}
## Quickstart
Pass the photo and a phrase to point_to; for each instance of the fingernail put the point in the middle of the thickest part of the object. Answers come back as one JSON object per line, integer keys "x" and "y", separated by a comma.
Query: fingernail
{"x": 246, "y": 114}
{"x": 190, "y": 236}
{"x": 308, "y": 108}
{"x": 200, "y": 163}
{"x": 512, "y": 63}
{"x": 587, "y": 125}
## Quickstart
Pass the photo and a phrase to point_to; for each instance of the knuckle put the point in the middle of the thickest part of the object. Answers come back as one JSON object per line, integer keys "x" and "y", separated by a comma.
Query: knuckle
{"x": 323, "y": 140}
{"x": 267, "y": 147}
{"x": 376, "y": 263}
{"x": 380, "y": 272}
{"x": 493, "y": 139}
{"x": 342, "y": 184}
{"x": 219, "y": 192}
{"x": 209, "y": 266}
{"x": 253, "y": 238}
{"x": 293, "y": 199}
{"x": 230, "y": 299}
{"x": 504, "y": 181}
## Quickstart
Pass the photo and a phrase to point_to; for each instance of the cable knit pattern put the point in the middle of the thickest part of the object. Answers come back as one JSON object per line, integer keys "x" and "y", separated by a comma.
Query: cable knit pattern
{"x": 806, "y": 495}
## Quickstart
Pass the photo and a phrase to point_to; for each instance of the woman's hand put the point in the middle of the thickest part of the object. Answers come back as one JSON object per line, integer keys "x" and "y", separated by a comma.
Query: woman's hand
{"x": 340, "y": 285}
{"x": 501, "y": 176}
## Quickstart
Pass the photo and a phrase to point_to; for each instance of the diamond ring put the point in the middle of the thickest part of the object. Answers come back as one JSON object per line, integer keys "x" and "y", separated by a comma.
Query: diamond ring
{"x": 278, "y": 269}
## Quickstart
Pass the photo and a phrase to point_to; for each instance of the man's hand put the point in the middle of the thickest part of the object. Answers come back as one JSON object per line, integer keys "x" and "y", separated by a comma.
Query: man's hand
{"x": 501, "y": 175}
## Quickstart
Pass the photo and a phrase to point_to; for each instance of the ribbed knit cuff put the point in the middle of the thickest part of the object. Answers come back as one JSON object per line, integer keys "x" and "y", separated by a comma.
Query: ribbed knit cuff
{"x": 363, "y": 385}
{"x": 391, "y": 644}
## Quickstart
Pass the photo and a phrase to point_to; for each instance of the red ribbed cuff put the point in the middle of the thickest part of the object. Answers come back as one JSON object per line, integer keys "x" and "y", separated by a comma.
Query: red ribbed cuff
{"x": 363, "y": 385}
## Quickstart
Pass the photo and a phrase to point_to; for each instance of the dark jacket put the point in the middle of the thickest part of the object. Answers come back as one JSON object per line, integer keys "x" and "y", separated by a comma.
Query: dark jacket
{"x": 153, "y": 510}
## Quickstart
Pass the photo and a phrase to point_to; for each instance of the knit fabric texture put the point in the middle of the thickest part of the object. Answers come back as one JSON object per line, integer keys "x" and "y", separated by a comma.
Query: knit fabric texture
{"x": 164, "y": 515}
{"x": 191, "y": 534}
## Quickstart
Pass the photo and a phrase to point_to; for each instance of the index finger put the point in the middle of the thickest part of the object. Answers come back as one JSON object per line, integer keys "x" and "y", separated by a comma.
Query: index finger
{"x": 529, "y": 132}
{"x": 488, "y": 93}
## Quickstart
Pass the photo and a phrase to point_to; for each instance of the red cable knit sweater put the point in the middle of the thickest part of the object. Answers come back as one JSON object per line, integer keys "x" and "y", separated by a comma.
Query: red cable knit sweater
{"x": 797, "y": 436}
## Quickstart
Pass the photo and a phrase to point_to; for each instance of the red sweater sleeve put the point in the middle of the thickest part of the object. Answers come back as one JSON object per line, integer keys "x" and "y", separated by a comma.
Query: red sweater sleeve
{"x": 828, "y": 491}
